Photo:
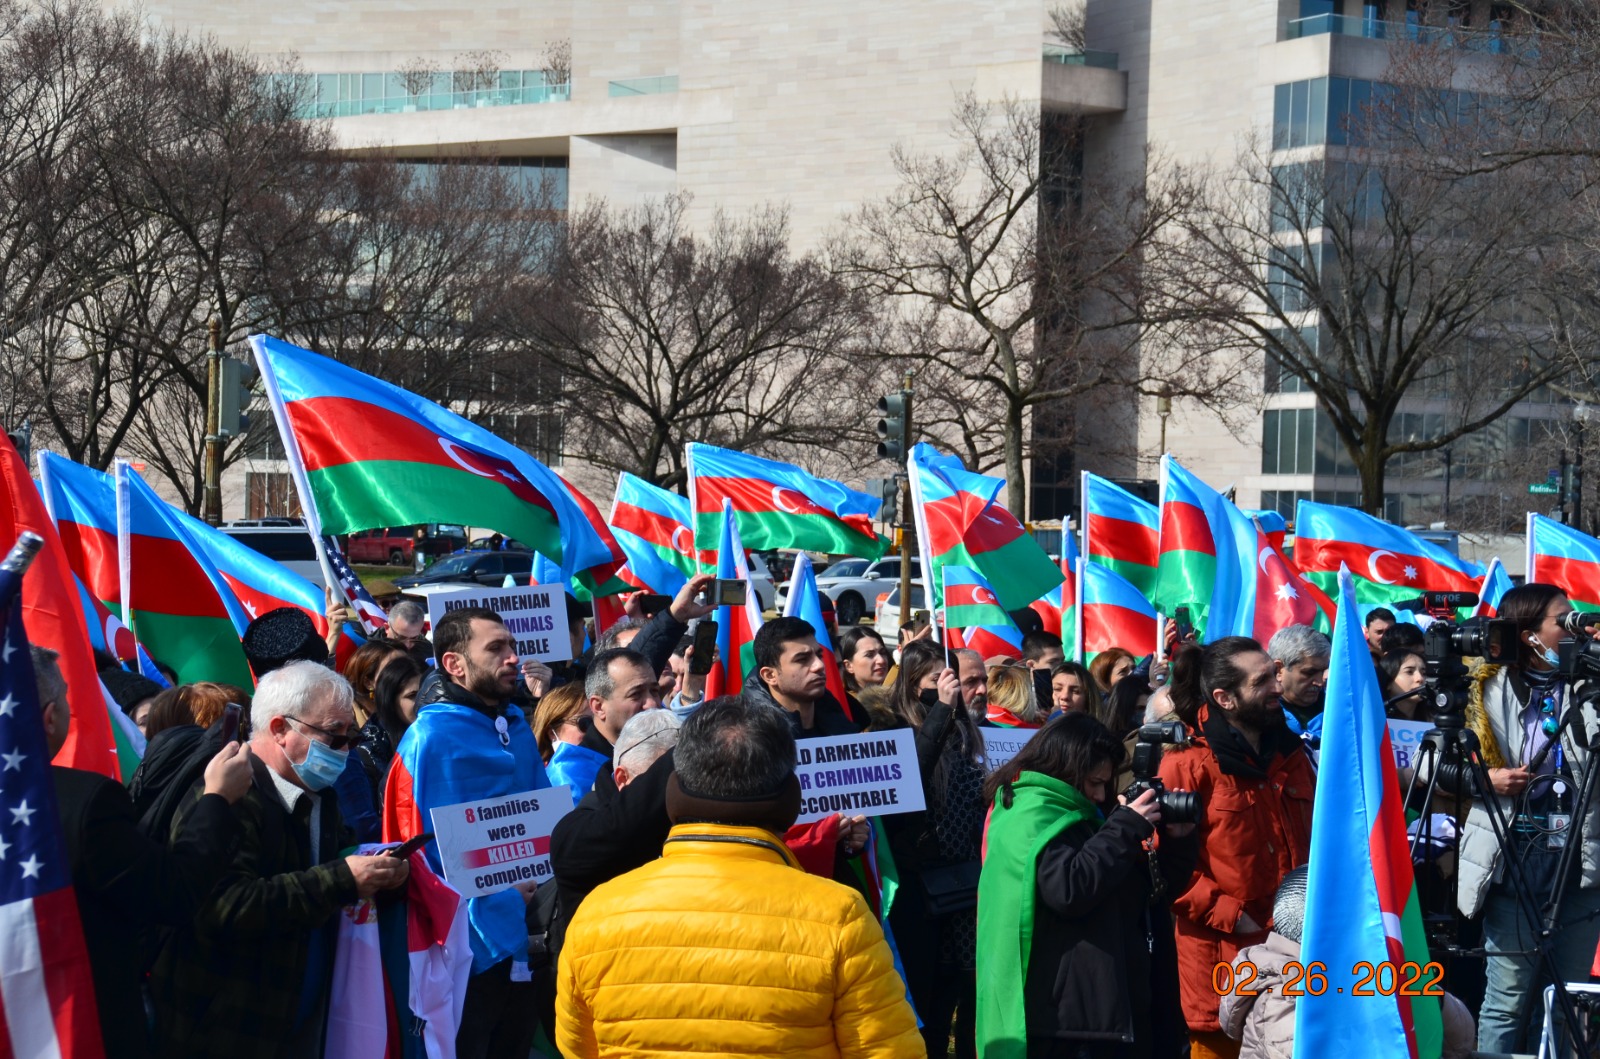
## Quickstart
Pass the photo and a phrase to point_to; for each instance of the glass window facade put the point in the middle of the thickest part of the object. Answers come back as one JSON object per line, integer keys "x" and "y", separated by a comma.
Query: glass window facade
{"x": 348, "y": 95}
{"x": 534, "y": 174}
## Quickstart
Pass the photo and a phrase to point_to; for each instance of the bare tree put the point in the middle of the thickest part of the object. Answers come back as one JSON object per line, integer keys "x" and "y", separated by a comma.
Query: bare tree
{"x": 476, "y": 71}
{"x": 662, "y": 337}
{"x": 1068, "y": 25}
{"x": 417, "y": 76}
{"x": 1026, "y": 286}
{"x": 557, "y": 61}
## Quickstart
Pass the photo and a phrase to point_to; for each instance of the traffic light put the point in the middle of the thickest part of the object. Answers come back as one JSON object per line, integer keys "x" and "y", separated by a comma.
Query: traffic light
{"x": 238, "y": 388}
{"x": 894, "y": 428}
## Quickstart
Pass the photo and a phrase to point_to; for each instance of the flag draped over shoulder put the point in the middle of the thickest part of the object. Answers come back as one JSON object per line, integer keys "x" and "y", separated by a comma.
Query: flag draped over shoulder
{"x": 46, "y": 985}
{"x": 1361, "y": 899}
{"x": 736, "y": 626}
{"x": 54, "y": 615}
{"x": 1386, "y": 562}
{"x": 778, "y": 505}
{"x": 367, "y": 454}
{"x": 804, "y": 602}
{"x": 1561, "y": 555}
{"x": 960, "y": 522}
{"x": 1121, "y": 531}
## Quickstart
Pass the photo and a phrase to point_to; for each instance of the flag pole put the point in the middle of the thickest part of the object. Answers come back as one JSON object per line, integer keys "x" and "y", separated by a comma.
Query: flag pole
{"x": 694, "y": 512}
{"x": 1083, "y": 512}
{"x": 125, "y": 545}
{"x": 935, "y": 613}
{"x": 919, "y": 517}
{"x": 1528, "y": 576}
{"x": 1077, "y": 613}
{"x": 292, "y": 456}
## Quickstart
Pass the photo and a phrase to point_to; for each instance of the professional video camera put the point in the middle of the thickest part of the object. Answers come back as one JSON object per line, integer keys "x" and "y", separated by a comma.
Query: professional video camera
{"x": 1445, "y": 642}
{"x": 1177, "y": 807}
{"x": 1580, "y": 656}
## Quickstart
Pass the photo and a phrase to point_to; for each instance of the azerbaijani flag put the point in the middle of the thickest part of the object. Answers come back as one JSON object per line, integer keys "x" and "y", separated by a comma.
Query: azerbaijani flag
{"x": 108, "y": 634}
{"x": 83, "y": 503}
{"x": 1496, "y": 583}
{"x": 778, "y": 505}
{"x": 55, "y": 620}
{"x": 365, "y": 453}
{"x": 804, "y": 603}
{"x": 1121, "y": 531}
{"x": 990, "y": 641}
{"x": 1282, "y": 597}
{"x": 960, "y": 523}
{"x": 1208, "y": 556}
{"x": 545, "y": 572}
{"x": 1058, "y": 608}
{"x": 736, "y": 626}
{"x": 1274, "y": 525}
{"x": 1361, "y": 898}
{"x": 1114, "y": 613}
{"x": 597, "y": 579}
{"x": 1566, "y": 557}
{"x": 1387, "y": 561}
{"x": 969, "y": 600}
{"x": 652, "y": 528}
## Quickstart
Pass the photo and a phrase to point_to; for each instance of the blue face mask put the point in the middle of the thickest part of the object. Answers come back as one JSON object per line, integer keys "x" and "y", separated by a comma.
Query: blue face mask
{"x": 322, "y": 766}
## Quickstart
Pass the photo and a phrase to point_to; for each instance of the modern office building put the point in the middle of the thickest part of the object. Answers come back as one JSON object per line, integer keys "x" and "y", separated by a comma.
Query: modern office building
{"x": 745, "y": 103}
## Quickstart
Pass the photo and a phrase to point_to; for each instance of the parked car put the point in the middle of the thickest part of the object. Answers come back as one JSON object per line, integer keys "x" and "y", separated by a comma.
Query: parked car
{"x": 487, "y": 544}
{"x": 285, "y": 540}
{"x": 471, "y": 568}
{"x": 888, "y": 611}
{"x": 854, "y": 585}
{"x": 399, "y": 545}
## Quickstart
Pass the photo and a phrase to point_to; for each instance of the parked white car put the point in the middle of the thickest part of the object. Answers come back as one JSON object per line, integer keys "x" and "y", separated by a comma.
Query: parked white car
{"x": 888, "y": 611}
{"x": 854, "y": 585}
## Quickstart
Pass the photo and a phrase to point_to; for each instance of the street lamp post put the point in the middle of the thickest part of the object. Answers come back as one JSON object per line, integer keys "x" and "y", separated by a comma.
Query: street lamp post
{"x": 1163, "y": 409}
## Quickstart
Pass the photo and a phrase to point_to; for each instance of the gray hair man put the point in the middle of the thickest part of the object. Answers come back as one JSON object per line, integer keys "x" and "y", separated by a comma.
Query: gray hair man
{"x": 1300, "y": 654}
{"x": 643, "y": 740}
{"x": 255, "y": 965}
{"x": 408, "y": 627}
{"x": 974, "y": 675}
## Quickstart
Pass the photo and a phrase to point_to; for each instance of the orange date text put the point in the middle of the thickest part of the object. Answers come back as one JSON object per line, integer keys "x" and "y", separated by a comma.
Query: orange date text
{"x": 1366, "y": 979}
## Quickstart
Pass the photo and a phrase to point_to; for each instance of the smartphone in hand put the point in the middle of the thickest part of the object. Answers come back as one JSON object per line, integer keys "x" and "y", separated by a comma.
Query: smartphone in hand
{"x": 231, "y": 713}
{"x": 411, "y": 845}
{"x": 705, "y": 647}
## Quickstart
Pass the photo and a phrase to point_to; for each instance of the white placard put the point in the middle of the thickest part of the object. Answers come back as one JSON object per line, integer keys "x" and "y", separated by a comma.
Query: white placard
{"x": 536, "y": 616}
{"x": 872, "y": 774}
{"x": 1002, "y": 744}
{"x": 1405, "y": 737}
{"x": 492, "y": 844}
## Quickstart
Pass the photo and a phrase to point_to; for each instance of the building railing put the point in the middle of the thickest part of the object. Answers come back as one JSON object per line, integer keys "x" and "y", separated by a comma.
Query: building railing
{"x": 644, "y": 86}
{"x": 1056, "y": 53}
{"x": 1491, "y": 41}
{"x": 406, "y": 104}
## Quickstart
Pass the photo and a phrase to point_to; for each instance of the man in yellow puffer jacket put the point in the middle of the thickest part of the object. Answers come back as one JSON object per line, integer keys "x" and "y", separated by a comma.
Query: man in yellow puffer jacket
{"x": 724, "y": 945}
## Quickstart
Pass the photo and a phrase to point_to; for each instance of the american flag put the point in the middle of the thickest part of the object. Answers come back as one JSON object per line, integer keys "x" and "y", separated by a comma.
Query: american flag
{"x": 46, "y": 992}
{"x": 373, "y": 619}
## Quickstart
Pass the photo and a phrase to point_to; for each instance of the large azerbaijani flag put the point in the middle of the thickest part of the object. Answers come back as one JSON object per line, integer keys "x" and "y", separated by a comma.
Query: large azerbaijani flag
{"x": 1121, "y": 531}
{"x": 1386, "y": 561}
{"x": 1361, "y": 898}
{"x": 778, "y": 505}
{"x": 736, "y": 626}
{"x": 364, "y": 453}
{"x": 805, "y": 602}
{"x": 1208, "y": 556}
{"x": 1566, "y": 557}
{"x": 652, "y": 528}
{"x": 960, "y": 522}
{"x": 1114, "y": 613}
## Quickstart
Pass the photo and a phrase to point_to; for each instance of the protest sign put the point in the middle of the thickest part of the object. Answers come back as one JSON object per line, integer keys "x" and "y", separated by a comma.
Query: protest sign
{"x": 1405, "y": 737}
{"x": 873, "y": 774}
{"x": 536, "y": 616}
{"x": 1002, "y": 744}
{"x": 492, "y": 844}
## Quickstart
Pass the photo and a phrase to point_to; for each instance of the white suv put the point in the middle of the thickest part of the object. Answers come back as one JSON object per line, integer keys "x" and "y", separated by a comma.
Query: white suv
{"x": 854, "y": 585}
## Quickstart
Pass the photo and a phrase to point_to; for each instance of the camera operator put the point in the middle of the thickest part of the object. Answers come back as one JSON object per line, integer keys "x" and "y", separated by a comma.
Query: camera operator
{"x": 1254, "y": 782}
{"x": 1536, "y": 756}
{"x": 1100, "y": 970}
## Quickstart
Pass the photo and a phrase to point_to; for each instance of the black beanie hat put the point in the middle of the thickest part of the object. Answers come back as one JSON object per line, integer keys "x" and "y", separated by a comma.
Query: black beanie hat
{"x": 282, "y": 636}
{"x": 129, "y": 689}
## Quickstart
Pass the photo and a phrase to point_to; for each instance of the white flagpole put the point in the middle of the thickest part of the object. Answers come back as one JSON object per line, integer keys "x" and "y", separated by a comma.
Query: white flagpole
{"x": 1077, "y": 613}
{"x": 125, "y": 545}
{"x": 1528, "y": 577}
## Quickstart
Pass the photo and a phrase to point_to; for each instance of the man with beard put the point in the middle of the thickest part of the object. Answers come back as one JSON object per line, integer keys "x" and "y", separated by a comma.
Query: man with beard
{"x": 469, "y": 743}
{"x": 1254, "y": 784}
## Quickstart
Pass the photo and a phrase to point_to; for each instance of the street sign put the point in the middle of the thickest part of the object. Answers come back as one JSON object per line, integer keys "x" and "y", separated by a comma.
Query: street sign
{"x": 1544, "y": 488}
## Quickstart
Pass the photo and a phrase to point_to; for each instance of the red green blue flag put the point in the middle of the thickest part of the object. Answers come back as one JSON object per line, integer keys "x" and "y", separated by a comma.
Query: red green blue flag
{"x": 1000, "y": 640}
{"x": 1121, "y": 531}
{"x": 652, "y": 526}
{"x": 969, "y": 600}
{"x": 778, "y": 505}
{"x": 1208, "y": 556}
{"x": 600, "y": 579}
{"x": 1561, "y": 555}
{"x": 1115, "y": 614}
{"x": 1282, "y": 596}
{"x": 1496, "y": 583}
{"x": 1058, "y": 608}
{"x": 1385, "y": 560}
{"x": 805, "y": 603}
{"x": 736, "y": 626}
{"x": 364, "y": 453}
{"x": 960, "y": 522}
{"x": 1361, "y": 897}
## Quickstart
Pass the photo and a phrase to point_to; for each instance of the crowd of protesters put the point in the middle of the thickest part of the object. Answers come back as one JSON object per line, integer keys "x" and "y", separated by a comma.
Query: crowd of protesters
{"x": 1036, "y": 910}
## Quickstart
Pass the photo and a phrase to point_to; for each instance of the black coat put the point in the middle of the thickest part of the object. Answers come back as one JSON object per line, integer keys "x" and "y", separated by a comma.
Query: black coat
{"x": 827, "y": 717}
{"x": 1091, "y": 972}
{"x": 125, "y": 882}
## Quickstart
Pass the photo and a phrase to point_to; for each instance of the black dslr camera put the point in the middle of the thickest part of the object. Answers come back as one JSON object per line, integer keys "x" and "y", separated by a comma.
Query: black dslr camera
{"x": 1177, "y": 807}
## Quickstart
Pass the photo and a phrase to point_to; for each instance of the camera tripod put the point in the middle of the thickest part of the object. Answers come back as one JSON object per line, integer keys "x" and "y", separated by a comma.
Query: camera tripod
{"x": 1451, "y": 748}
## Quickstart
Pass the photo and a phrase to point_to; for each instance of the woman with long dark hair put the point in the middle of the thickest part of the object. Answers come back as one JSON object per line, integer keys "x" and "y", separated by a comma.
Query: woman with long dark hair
{"x": 1403, "y": 672}
{"x": 937, "y": 851}
{"x": 1071, "y": 867}
{"x": 864, "y": 658}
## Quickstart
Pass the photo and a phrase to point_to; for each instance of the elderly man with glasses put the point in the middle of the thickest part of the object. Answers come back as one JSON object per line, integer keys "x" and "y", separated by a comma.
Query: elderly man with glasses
{"x": 251, "y": 975}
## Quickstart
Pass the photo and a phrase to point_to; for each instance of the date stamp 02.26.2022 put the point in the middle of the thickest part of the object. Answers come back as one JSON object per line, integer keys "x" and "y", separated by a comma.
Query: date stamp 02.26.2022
{"x": 1382, "y": 979}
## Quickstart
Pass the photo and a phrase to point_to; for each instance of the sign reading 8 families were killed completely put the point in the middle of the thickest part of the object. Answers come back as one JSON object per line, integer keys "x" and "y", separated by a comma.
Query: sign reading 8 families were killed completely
{"x": 536, "y": 615}
{"x": 872, "y": 774}
{"x": 492, "y": 844}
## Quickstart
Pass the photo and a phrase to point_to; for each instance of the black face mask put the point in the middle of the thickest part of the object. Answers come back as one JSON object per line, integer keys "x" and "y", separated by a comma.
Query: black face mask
{"x": 929, "y": 697}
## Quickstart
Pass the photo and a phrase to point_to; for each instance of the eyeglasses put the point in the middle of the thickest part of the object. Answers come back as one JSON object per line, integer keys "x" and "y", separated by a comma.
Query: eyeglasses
{"x": 334, "y": 740}
{"x": 409, "y": 641}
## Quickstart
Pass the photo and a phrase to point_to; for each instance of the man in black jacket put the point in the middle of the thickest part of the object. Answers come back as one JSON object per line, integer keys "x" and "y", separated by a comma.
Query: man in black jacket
{"x": 123, "y": 881}
{"x": 791, "y": 674}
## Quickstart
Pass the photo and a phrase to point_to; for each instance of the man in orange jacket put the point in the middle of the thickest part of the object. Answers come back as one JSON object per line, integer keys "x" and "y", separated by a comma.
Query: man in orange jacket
{"x": 1255, "y": 784}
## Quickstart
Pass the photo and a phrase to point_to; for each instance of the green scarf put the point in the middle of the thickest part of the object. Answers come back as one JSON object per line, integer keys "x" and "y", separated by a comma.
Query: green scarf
{"x": 1041, "y": 809}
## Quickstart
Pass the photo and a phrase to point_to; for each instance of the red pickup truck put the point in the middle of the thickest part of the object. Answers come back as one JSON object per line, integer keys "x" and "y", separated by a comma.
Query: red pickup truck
{"x": 399, "y": 545}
